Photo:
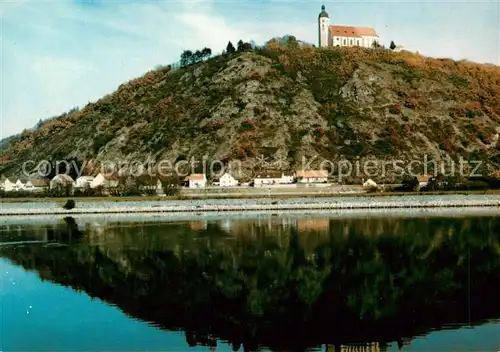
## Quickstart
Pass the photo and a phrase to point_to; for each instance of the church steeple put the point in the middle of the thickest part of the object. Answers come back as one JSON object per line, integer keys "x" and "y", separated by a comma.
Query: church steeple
{"x": 323, "y": 24}
{"x": 323, "y": 12}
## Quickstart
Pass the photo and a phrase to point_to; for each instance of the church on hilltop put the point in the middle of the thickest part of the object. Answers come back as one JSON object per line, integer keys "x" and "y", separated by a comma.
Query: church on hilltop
{"x": 344, "y": 35}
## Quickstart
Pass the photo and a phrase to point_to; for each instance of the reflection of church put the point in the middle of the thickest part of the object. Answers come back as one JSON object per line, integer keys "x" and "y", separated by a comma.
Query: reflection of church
{"x": 368, "y": 347}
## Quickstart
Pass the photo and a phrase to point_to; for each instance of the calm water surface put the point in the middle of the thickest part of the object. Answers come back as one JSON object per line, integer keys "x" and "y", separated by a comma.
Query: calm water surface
{"x": 278, "y": 283}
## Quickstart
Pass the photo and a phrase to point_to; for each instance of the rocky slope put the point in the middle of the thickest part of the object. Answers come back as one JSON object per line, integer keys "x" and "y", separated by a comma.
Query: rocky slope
{"x": 283, "y": 104}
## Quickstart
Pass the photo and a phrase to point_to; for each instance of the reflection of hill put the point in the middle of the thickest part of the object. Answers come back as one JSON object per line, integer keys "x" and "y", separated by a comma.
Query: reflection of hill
{"x": 64, "y": 232}
{"x": 355, "y": 281}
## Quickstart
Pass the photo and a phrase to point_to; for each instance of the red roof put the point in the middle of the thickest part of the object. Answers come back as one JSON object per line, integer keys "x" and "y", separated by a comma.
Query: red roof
{"x": 424, "y": 178}
{"x": 352, "y": 32}
{"x": 40, "y": 182}
{"x": 312, "y": 174}
{"x": 195, "y": 177}
{"x": 366, "y": 31}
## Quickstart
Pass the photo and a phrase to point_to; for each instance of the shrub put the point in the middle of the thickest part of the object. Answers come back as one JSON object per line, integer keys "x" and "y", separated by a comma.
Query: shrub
{"x": 411, "y": 103}
{"x": 247, "y": 125}
{"x": 395, "y": 109}
{"x": 319, "y": 132}
{"x": 459, "y": 82}
{"x": 241, "y": 105}
{"x": 410, "y": 183}
{"x": 100, "y": 140}
{"x": 70, "y": 204}
{"x": 255, "y": 75}
{"x": 384, "y": 146}
{"x": 171, "y": 186}
{"x": 470, "y": 114}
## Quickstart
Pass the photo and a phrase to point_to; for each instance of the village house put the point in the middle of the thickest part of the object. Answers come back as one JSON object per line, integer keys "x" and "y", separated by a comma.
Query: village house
{"x": 287, "y": 177}
{"x": 105, "y": 181}
{"x": 272, "y": 178}
{"x": 196, "y": 180}
{"x": 36, "y": 185}
{"x": 12, "y": 185}
{"x": 335, "y": 35}
{"x": 369, "y": 184}
{"x": 61, "y": 180}
{"x": 312, "y": 176}
{"x": 83, "y": 182}
{"x": 423, "y": 181}
{"x": 227, "y": 180}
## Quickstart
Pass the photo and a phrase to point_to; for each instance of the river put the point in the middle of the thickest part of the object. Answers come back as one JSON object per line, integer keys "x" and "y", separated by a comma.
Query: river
{"x": 361, "y": 281}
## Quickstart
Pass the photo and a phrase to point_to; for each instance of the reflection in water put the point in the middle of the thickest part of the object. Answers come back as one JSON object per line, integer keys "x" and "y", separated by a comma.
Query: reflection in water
{"x": 278, "y": 282}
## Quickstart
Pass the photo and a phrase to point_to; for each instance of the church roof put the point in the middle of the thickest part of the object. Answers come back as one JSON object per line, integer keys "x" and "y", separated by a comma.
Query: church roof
{"x": 353, "y": 32}
{"x": 323, "y": 13}
{"x": 366, "y": 31}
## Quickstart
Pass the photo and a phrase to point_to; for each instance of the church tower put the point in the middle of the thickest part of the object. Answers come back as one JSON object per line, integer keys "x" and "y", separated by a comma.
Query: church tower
{"x": 323, "y": 24}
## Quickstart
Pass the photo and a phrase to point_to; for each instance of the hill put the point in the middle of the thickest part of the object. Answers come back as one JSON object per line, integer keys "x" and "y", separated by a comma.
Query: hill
{"x": 284, "y": 102}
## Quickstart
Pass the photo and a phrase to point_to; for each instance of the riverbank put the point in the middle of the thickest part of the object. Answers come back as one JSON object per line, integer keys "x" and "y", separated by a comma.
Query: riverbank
{"x": 249, "y": 205}
{"x": 264, "y": 195}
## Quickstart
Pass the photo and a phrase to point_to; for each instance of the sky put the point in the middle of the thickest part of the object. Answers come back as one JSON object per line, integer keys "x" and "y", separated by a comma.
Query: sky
{"x": 61, "y": 54}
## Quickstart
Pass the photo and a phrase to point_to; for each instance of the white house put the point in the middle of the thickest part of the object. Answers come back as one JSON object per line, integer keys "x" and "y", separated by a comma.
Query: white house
{"x": 105, "y": 181}
{"x": 423, "y": 180}
{"x": 227, "y": 180}
{"x": 312, "y": 176}
{"x": 287, "y": 177}
{"x": 36, "y": 185}
{"x": 335, "y": 35}
{"x": 63, "y": 180}
{"x": 6, "y": 183}
{"x": 19, "y": 185}
{"x": 83, "y": 182}
{"x": 196, "y": 180}
{"x": 369, "y": 184}
{"x": 272, "y": 178}
{"x": 12, "y": 185}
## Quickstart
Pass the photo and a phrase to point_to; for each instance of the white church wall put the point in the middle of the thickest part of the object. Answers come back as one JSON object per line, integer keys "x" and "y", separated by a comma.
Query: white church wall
{"x": 323, "y": 31}
{"x": 368, "y": 41}
{"x": 346, "y": 41}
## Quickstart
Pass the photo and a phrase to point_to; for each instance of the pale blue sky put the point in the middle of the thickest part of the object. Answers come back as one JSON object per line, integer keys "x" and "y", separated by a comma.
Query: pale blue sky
{"x": 60, "y": 54}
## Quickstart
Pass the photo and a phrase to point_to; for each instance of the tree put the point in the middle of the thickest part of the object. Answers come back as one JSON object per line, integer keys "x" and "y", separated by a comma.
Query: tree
{"x": 410, "y": 183}
{"x": 148, "y": 184}
{"x": 205, "y": 53}
{"x": 393, "y": 45}
{"x": 375, "y": 44}
{"x": 240, "y": 46}
{"x": 292, "y": 41}
{"x": 247, "y": 46}
{"x": 230, "y": 48}
{"x": 273, "y": 43}
{"x": 171, "y": 185}
{"x": 186, "y": 58}
{"x": 196, "y": 57}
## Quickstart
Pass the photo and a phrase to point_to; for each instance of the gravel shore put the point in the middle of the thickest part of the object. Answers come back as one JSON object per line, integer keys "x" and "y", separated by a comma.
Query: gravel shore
{"x": 446, "y": 201}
